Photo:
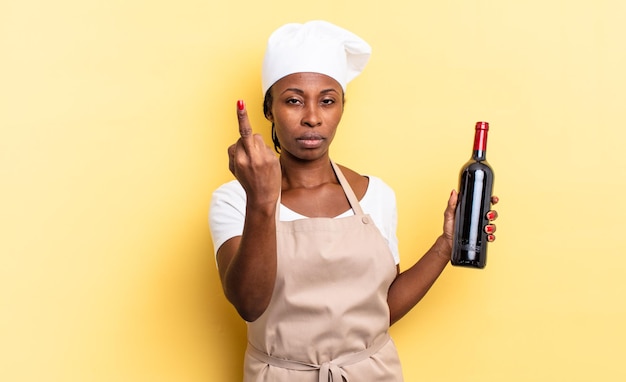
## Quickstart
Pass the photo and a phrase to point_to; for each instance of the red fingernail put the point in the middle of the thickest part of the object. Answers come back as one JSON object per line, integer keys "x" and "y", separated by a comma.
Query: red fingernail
{"x": 240, "y": 104}
{"x": 491, "y": 238}
{"x": 490, "y": 229}
{"x": 491, "y": 215}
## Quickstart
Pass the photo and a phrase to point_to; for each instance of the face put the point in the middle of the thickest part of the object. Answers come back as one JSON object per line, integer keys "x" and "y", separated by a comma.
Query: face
{"x": 306, "y": 110}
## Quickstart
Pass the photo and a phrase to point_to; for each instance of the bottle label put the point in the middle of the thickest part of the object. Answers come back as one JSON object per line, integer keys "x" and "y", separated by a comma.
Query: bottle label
{"x": 473, "y": 247}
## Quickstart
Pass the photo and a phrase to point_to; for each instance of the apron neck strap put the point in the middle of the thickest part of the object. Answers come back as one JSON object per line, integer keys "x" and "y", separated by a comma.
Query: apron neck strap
{"x": 352, "y": 199}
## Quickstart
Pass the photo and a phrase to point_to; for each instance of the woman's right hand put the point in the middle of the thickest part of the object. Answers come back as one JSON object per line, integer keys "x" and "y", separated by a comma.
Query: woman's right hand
{"x": 253, "y": 163}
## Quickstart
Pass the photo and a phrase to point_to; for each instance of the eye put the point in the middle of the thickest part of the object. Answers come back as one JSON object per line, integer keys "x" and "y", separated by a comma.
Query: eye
{"x": 328, "y": 101}
{"x": 293, "y": 101}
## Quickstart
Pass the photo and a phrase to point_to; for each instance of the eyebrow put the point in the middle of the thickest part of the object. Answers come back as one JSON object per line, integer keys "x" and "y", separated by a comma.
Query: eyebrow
{"x": 300, "y": 91}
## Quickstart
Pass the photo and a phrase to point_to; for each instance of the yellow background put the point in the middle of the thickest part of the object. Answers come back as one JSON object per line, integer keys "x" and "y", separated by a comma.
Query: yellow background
{"x": 115, "y": 117}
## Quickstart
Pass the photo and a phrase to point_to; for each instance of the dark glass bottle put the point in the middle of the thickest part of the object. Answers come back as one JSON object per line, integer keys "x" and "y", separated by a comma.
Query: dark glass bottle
{"x": 469, "y": 247}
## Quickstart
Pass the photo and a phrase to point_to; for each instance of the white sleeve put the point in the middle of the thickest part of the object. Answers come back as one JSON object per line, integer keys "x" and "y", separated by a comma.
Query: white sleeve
{"x": 380, "y": 203}
{"x": 227, "y": 213}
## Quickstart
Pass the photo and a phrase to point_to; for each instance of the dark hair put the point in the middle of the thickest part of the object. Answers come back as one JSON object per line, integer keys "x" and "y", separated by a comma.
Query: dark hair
{"x": 267, "y": 107}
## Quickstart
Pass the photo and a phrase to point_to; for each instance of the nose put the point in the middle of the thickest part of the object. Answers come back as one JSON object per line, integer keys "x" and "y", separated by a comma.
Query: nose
{"x": 311, "y": 116}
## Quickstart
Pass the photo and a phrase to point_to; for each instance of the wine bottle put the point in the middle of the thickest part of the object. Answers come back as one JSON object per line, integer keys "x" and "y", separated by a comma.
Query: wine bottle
{"x": 469, "y": 248}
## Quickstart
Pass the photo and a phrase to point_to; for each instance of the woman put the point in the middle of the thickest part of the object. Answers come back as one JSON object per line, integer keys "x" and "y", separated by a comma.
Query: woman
{"x": 306, "y": 249}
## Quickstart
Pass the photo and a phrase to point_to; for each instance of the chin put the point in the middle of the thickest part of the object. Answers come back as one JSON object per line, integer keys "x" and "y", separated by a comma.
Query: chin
{"x": 306, "y": 155}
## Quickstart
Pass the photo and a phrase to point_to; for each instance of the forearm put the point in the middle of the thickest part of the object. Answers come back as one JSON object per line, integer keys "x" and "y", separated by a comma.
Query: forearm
{"x": 412, "y": 285}
{"x": 251, "y": 273}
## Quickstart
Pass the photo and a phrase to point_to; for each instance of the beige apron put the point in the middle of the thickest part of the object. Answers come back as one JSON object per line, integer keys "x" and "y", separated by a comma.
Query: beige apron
{"x": 328, "y": 318}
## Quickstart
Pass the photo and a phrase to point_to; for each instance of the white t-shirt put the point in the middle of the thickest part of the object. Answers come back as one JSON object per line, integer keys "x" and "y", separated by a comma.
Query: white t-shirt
{"x": 228, "y": 210}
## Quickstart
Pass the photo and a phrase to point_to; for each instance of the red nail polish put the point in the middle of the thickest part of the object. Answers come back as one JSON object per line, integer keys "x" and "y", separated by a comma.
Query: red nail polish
{"x": 490, "y": 229}
{"x": 491, "y": 215}
{"x": 240, "y": 104}
{"x": 491, "y": 238}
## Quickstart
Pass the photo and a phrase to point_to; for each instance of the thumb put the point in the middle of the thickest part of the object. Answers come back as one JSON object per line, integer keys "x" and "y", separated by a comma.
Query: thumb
{"x": 449, "y": 214}
{"x": 452, "y": 201}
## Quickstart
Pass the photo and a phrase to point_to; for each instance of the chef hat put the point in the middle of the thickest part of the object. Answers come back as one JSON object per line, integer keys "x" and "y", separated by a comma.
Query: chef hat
{"x": 316, "y": 46}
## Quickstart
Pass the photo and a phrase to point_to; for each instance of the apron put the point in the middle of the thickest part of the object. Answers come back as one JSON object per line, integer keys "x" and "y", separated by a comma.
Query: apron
{"x": 328, "y": 318}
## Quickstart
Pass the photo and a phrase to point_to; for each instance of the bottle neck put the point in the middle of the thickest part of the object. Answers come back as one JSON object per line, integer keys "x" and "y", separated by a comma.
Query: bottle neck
{"x": 480, "y": 143}
{"x": 479, "y": 155}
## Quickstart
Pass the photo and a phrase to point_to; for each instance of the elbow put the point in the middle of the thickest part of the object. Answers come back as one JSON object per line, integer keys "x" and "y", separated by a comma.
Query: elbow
{"x": 249, "y": 315}
{"x": 249, "y": 306}
{"x": 248, "y": 295}
{"x": 249, "y": 311}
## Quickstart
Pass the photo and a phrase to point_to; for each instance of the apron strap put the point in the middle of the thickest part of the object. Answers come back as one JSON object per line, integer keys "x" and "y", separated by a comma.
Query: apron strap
{"x": 277, "y": 214}
{"x": 352, "y": 199}
{"x": 331, "y": 371}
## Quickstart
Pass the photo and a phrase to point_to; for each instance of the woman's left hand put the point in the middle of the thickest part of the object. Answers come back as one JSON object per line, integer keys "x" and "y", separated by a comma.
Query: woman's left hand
{"x": 492, "y": 215}
{"x": 448, "y": 220}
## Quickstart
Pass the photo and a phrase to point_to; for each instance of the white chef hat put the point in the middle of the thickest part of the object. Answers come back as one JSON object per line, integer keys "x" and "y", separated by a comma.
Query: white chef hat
{"x": 315, "y": 46}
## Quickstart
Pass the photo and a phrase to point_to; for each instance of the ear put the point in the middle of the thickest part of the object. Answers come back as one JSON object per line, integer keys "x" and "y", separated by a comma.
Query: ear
{"x": 269, "y": 116}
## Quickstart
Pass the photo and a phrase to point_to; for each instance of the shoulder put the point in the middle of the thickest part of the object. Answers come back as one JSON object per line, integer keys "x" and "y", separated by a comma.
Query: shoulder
{"x": 227, "y": 213}
{"x": 232, "y": 189}
{"x": 380, "y": 193}
{"x": 369, "y": 186}
{"x": 229, "y": 195}
{"x": 358, "y": 182}
{"x": 362, "y": 184}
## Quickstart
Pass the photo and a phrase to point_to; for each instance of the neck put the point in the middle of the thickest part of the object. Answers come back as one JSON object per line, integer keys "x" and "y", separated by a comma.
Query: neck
{"x": 306, "y": 173}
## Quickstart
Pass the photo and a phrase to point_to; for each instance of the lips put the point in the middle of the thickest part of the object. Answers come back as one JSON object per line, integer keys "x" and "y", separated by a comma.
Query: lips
{"x": 310, "y": 140}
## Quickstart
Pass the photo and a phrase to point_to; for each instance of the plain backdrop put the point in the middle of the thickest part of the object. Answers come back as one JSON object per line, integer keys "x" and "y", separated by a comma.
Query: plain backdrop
{"x": 115, "y": 117}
